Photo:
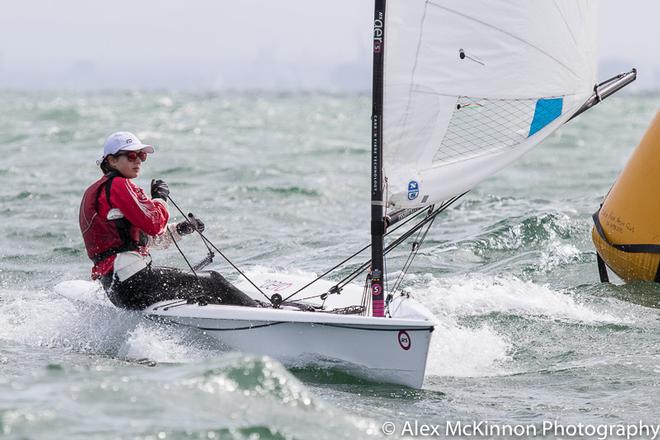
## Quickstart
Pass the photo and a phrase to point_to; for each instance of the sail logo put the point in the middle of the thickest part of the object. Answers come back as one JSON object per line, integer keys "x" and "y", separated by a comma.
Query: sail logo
{"x": 378, "y": 33}
{"x": 404, "y": 340}
{"x": 413, "y": 190}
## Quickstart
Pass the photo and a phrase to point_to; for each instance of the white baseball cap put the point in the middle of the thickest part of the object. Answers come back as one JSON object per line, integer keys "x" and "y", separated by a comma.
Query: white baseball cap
{"x": 124, "y": 141}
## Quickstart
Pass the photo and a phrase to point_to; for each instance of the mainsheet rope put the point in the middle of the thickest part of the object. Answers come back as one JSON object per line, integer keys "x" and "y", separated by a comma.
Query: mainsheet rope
{"x": 336, "y": 289}
{"x": 208, "y": 242}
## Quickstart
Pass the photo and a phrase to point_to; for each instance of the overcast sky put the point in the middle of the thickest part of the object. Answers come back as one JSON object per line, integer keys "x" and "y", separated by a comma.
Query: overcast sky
{"x": 246, "y": 44}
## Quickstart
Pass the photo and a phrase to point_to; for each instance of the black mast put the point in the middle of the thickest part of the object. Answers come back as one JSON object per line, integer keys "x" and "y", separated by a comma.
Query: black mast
{"x": 377, "y": 203}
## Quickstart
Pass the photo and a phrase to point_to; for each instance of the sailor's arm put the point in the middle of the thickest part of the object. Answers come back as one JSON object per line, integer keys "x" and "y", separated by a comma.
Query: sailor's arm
{"x": 149, "y": 215}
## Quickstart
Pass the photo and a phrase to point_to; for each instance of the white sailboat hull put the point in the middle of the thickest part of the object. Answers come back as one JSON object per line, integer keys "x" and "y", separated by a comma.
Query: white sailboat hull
{"x": 390, "y": 350}
{"x": 376, "y": 349}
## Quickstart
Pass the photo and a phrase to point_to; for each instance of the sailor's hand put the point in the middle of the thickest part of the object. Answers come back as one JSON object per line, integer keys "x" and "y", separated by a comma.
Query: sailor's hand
{"x": 189, "y": 226}
{"x": 159, "y": 189}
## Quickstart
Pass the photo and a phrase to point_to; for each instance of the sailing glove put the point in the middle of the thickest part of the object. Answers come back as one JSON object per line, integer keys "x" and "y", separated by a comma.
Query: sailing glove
{"x": 159, "y": 189}
{"x": 189, "y": 226}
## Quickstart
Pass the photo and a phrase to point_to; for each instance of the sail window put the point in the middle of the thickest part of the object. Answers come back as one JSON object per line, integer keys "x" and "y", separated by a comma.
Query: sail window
{"x": 479, "y": 126}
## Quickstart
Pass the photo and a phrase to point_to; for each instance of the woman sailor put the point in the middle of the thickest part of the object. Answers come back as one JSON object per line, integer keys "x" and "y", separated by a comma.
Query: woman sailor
{"x": 119, "y": 224}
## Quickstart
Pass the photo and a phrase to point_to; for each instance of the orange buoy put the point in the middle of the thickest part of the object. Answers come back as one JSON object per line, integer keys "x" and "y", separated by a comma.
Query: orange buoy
{"x": 627, "y": 226}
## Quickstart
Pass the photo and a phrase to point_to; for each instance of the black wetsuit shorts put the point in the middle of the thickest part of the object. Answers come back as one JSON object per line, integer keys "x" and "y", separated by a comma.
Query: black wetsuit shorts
{"x": 154, "y": 284}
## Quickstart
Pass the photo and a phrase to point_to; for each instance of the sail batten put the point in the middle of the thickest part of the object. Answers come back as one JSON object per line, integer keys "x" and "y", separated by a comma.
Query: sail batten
{"x": 468, "y": 82}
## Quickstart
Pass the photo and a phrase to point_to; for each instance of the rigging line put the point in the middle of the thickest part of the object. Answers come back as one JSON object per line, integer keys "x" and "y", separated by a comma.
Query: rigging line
{"x": 310, "y": 297}
{"x": 398, "y": 241}
{"x": 387, "y": 250}
{"x": 181, "y": 252}
{"x": 328, "y": 271}
{"x": 206, "y": 240}
{"x": 351, "y": 257}
{"x": 234, "y": 266}
{"x": 506, "y": 33}
{"x": 356, "y": 272}
{"x": 407, "y": 262}
{"x": 188, "y": 220}
{"x": 429, "y": 217}
{"x": 412, "y": 256}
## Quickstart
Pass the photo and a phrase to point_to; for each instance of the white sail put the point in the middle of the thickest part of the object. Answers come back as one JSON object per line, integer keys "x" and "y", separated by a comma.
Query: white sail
{"x": 469, "y": 86}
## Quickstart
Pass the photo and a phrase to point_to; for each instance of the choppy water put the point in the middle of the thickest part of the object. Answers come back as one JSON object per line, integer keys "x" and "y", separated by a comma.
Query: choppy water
{"x": 526, "y": 334}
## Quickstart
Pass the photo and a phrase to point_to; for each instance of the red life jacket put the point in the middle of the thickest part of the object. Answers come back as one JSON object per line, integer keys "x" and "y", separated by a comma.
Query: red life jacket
{"x": 103, "y": 238}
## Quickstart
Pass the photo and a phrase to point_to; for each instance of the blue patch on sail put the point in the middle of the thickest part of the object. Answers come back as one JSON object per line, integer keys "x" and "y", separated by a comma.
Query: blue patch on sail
{"x": 413, "y": 190}
{"x": 547, "y": 110}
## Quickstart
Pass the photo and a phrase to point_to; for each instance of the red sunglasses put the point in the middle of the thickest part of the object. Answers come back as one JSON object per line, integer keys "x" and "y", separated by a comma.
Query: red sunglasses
{"x": 133, "y": 155}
